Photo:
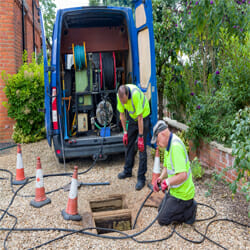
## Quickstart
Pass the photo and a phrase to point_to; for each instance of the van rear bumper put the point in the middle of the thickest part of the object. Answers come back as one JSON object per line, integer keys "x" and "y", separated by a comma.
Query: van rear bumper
{"x": 91, "y": 147}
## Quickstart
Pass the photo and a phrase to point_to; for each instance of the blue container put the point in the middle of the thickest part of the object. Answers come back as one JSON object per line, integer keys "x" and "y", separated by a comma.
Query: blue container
{"x": 105, "y": 132}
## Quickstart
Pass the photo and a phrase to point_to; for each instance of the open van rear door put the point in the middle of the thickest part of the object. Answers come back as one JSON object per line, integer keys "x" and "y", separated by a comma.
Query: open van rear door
{"x": 46, "y": 84}
{"x": 146, "y": 52}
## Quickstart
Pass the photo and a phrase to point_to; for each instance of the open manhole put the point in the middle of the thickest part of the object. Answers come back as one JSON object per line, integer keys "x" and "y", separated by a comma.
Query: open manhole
{"x": 120, "y": 220}
{"x": 108, "y": 204}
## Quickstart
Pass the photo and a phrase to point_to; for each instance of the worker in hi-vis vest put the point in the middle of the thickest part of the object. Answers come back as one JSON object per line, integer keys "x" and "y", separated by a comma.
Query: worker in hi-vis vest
{"x": 131, "y": 99}
{"x": 179, "y": 204}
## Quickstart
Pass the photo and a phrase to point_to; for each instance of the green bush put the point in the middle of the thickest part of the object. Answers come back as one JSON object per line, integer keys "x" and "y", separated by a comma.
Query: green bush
{"x": 213, "y": 115}
{"x": 234, "y": 64}
{"x": 212, "y": 119}
{"x": 197, "y": 169}
{"x": 25, "y": 93}
{"x": 241, "y": 149}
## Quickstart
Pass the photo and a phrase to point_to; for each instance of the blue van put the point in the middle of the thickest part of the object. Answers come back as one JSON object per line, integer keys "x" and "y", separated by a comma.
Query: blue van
{"x": 94, "y": 51}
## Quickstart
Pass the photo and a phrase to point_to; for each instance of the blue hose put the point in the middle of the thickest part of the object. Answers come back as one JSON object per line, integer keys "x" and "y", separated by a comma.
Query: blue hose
{"x": 79, "y": 52}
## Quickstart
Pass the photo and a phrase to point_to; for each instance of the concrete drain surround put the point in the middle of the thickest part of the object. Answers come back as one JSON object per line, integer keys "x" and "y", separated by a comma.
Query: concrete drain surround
{"x": 111, "y": 213}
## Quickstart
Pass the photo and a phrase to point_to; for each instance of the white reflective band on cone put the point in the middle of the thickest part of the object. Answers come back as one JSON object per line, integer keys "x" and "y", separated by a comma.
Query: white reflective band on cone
{"x": 157, "y": 169}
{"x": 19, "y": 161}
{"x": 39, "y": 178}
{"x": 73, "y": 189}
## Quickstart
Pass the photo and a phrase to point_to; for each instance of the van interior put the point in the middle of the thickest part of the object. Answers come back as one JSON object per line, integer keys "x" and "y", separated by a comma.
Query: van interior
{"x": 95, "y": 59}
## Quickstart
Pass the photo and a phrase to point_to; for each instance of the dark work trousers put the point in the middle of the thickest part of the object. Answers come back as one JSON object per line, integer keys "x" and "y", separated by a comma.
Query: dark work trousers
{"x": 130, "y": 151}
{"x": 176, "y": 210}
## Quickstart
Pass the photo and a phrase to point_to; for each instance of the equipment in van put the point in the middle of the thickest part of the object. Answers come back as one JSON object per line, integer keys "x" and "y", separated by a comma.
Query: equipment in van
{"x": 95, "y": 85}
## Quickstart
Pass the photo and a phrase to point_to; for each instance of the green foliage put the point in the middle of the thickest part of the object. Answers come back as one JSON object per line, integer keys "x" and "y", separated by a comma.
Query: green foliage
{"x": 197, "y": 170}
{"x": 241, "y": 149}
{"x": 196, "y": 69}
{"x": 212, "y": 119}
{"x": 234, "y": 64}
{"x": 25, "y": 93}
{"x": 182, "y": 135}
{"x": 214, "y": 112}
{"x": 48, "y": 8}
{"x": 122, "y": 3}
{"x": 168, "y": 37}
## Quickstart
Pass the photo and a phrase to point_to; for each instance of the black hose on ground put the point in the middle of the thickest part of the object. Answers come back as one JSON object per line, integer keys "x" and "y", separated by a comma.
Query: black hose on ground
{"x": 83, "y": 231}
{"x": 126, "y": 236}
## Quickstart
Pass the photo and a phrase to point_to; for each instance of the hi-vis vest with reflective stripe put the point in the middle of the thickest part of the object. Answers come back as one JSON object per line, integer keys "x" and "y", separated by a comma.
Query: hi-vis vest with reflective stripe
{"x": 172, "y": 171}
{"x": 132, "y": 109}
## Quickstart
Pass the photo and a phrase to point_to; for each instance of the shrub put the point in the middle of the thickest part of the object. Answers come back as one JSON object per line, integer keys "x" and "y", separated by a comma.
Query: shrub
{"x": 212, "y": 119}
{"x": 234, "y": 64}
{"x": 197, "y": 169}
{"x": 25, "y": 93}
{"x": 241, "y": 149}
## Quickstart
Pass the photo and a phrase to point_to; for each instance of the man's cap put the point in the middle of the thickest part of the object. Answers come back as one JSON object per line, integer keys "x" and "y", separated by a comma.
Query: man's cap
{"x": 159, "y": 127}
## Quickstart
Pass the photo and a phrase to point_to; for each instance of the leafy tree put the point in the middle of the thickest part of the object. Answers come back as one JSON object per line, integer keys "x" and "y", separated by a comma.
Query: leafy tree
{"x": 124, "y": 3}
{"x": 94, "y": 2}
{"x": 48, "y": 8}
{"x": 168, "y": 36}
{"x": 201, "y": 22}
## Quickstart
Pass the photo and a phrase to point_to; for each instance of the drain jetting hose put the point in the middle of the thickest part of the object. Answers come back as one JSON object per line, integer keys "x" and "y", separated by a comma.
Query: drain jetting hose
{"x": 126, "y": 236}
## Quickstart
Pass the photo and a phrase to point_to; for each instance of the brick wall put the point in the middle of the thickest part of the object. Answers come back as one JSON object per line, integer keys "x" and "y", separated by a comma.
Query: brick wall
{"x": 215, "y": 156}
{"x": 11, "y": 49}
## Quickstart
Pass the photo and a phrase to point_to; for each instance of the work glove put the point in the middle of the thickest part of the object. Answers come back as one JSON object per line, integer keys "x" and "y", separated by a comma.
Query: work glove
{"x": 125, "y": 138}
{"x": 164, "y": 185}
{"x": 156, "y": 184}
{"x": 141, "y": 144}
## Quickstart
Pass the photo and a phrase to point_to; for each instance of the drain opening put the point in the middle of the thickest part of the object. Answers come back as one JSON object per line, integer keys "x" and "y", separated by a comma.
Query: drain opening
{"x": 121, "y": 222}
{"x": 113, "y": 203}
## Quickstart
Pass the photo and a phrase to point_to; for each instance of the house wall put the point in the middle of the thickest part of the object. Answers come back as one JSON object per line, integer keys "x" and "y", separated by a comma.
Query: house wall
{"x": 11, "y": 49}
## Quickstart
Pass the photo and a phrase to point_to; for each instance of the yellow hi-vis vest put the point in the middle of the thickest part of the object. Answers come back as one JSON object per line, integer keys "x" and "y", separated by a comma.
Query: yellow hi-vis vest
{"x": 136, "y": 105}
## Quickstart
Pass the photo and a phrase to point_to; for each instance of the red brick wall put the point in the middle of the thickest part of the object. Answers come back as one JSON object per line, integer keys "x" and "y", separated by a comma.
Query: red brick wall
{"x": 11, "y": 49}
{"x": 214, "y": 156}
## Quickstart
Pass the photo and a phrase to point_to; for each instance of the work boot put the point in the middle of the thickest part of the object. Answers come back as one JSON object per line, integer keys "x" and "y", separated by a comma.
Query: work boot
{"x": 124, "y": 175}
{"x": 139, "y": 185}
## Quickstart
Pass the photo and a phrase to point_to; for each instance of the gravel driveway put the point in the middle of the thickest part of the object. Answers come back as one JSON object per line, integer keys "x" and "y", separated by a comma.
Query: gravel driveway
{"x": 230, "y": 235}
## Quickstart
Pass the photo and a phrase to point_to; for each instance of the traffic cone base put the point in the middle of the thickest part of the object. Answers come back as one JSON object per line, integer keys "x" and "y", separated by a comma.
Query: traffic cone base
{"x": 67, "y": 216}
{"x": 16, "y": 182}
{"x": 38, "y": 204}
{"x": 150, "y": 186}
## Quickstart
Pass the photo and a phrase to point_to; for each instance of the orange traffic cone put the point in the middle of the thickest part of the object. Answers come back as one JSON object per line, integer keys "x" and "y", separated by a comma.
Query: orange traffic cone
{"x": 40, "y": 197}
{"x": 71, "y": 212}
{"x": 156, "y": 169}
{"x": 20, "y": 178}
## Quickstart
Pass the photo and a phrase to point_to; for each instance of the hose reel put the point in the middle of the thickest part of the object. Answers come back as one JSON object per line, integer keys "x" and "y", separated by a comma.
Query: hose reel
{"x": 79, "y": 55}
{"x": 107, "y": 64}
